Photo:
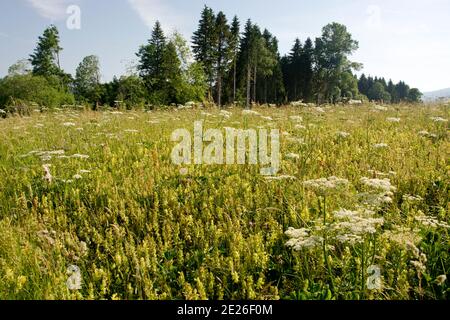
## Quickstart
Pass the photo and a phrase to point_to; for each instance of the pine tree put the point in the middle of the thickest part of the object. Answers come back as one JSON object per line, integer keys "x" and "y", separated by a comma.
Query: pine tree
{"x": 402, "y": 91}
{"x": 295, "y": 69}
{"x": 306, "y": 70}
{"x": 151, "y": 58}
{"x": 269, "y": 70}
{"x": 391, "y": 90}
{"x": 171, "y": 70}
{"x": 248, "y": 57}
{"x": 222, "y": 51}
{"x": 45, "y": 59}
{"x": 234, "y": 49}
{"x": 204, "y": 43}
{"x": 363, "y": 85}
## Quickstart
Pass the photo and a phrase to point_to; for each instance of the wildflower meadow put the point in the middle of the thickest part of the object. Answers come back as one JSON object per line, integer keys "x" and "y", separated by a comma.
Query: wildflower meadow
{"x": 92, "y": 206}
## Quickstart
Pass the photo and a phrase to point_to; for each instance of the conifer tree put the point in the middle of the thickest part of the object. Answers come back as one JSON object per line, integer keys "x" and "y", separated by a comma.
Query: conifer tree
{"x": 222, "y": 52}
{"x": 45, "y": 59}
{"x": 204, "y": 43}
{"x": 234, "y": 49}
{"x": 151, "y": 58}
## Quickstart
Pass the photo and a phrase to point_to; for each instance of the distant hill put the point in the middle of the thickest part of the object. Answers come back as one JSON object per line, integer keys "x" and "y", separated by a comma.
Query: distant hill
{"x": 443, "y": 94}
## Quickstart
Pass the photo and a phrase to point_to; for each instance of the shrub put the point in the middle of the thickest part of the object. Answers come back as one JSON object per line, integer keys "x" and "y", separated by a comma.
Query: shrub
{"x": 33, "y": 89}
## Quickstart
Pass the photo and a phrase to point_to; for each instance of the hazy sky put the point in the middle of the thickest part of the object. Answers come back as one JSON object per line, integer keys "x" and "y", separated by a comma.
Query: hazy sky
{"x": 399, "y": 39}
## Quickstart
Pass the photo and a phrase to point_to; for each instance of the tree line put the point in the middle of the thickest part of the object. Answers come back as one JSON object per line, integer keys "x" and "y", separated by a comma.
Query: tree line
{"x": 226, "y": 63}
{"x": 378, "y": 89}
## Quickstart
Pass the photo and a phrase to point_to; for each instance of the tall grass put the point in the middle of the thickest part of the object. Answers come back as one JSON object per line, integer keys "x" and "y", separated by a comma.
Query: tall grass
{"x": 138, "y": 228}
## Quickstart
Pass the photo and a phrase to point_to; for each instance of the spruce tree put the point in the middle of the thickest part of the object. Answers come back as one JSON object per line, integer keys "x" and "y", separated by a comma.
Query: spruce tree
{"x": 295, "y": 69}
{"x": 171, "y": 71}
{"x": 234, "y": 49}
{"x": 306, "y": 70}
{"x": 204, "y": 43}
{"x": 221, "y": 51}
{"x": 151, "y": 58}
{"x": 247, "y": 59}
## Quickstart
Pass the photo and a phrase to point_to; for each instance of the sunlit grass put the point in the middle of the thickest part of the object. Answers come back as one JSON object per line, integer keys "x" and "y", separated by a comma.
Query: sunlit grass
{"x": 138, "y": 228}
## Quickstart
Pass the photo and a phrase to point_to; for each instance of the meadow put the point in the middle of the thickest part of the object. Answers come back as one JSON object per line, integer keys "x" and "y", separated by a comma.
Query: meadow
{"x": 359, "y": 209}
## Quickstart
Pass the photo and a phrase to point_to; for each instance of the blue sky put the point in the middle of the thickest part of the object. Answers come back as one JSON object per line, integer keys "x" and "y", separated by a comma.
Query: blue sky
{"x": 401, "y": 39}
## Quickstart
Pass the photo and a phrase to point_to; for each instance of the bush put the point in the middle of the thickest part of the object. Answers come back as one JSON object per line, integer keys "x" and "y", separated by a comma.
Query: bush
{"x": 33, "y": 89}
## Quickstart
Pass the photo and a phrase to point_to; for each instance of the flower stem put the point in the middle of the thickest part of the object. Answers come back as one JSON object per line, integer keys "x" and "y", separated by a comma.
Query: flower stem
{"x": 325, "y": 253}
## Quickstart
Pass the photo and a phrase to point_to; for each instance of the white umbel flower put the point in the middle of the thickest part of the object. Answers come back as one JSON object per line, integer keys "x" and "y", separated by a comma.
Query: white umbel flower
{"x": 439, "y": 120}
{"x": 325, "y": 185}
{"x": 379, "y": 184}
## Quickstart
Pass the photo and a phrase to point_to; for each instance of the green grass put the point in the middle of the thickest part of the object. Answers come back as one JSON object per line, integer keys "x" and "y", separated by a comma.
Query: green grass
{"x": 139, "y": 229}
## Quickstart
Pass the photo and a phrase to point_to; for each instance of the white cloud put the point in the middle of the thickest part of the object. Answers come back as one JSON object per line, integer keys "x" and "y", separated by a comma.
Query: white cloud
{"x": 152, "y": 10}
{"x": 51, "y": 9}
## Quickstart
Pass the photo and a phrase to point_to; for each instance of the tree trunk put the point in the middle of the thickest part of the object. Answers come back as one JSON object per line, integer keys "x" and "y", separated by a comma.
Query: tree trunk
{"x": 234, "y": 82}
{"x": 219, "y": 90}
{"x": 254, "y": 85}
{"x": 249, "y": 74}
{"x": 265, "y": 90}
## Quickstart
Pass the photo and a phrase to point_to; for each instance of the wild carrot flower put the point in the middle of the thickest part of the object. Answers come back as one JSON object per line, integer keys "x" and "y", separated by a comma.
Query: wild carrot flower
{"x": 405, "y": 238}
{"x": 301, "y": 239}
{"x": 225, "y": 114}
{"x": 438, "y": 119}
{"x": 431, "y": 222}
{"x": 410, "y": 198}
{"x": 378, "y": 184}
{"x": 250, "y": 113}
{"x": 296, "y": 118}
{"x": 293, "y": 156}
{"x": 381, "y": 146}
{"x": 380, "y": 108}
{"x": 324, "y": 186}
{"x": 80, "y": 156}
{"x": 296, "y": 140}
{"x": 279, "y": 178}
{"x": 300, "y": 127}
{"x": 343, "y": 134}
{"x": 354, "y": 225}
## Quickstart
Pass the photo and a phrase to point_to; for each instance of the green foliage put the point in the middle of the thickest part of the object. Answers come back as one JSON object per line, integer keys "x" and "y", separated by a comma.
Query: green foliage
{"x": 20, "y": 68}
{"x": 378, "y": 93}
{"x": 331, "y": 59}
{"x": 33, "y": 89}
{"x": 298, "y": 71}
{"x": 415, "y": 95}
{"x": 87, "y": 80}
{"x": 222, "y": 52}
{"x": 378, "y": 89}
{"x": 45, "y": 59}
{"x": 204, "y": 43}
{"x": 348, "y": 85}
{"x": 151, "y": 59}
{"x": 138, "y": 228}
{"x": 131, "y": 91}
{"x": 194, "y": 84}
